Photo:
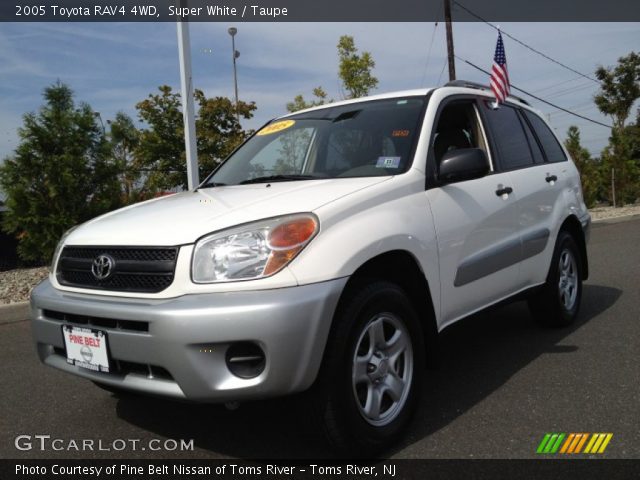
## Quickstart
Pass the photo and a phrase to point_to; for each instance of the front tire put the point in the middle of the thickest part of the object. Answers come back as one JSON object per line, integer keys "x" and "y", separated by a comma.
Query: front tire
{"x": 373, "y": 370}
{"x": 558, "y": 303}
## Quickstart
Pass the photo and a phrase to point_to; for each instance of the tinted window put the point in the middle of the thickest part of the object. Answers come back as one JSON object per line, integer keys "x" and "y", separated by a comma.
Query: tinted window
{"x": 549, "y": 142}
{"x": 509, "y": 137}
{"x": 538, "y": 156}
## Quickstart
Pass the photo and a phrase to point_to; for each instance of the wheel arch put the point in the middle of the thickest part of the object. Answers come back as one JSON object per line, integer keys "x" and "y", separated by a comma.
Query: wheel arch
{"x": 402, "y": 268}
{"x": 573, "y": 226}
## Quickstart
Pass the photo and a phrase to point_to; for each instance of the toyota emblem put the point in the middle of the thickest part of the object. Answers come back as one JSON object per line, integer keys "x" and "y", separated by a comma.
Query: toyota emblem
{"x": 102, "y": 267}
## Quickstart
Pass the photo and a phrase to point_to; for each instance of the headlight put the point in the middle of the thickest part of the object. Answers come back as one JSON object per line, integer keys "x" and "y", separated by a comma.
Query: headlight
{"x": 252, "y": 251}
{"x": 56, "y": 252}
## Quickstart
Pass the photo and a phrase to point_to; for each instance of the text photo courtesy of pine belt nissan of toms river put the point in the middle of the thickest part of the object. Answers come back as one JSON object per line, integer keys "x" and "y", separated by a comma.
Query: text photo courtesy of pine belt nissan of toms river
{"x": 325, "y": 255}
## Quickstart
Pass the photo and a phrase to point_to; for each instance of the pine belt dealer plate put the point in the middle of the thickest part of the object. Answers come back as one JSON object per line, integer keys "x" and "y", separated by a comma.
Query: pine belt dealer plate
{"x": 86, "y": 348}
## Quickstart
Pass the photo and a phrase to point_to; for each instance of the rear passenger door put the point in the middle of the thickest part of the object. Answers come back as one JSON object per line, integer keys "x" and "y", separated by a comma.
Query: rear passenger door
{"x": 542, "y": 208}
{"x": 536, "y": 186}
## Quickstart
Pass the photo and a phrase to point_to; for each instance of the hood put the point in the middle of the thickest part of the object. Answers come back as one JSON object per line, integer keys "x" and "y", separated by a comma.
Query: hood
{"x": 184, "y": 217}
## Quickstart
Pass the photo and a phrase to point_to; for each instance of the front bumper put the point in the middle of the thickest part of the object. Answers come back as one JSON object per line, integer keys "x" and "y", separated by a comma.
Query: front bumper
{"x": 176, "y": 347}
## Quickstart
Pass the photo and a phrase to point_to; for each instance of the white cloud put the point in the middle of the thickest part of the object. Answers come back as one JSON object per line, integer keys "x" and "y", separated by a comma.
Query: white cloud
{"x": 113, "y": 66}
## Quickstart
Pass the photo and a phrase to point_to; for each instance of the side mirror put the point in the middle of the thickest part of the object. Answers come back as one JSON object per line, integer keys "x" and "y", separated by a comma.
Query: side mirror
{"x": 463, "y": 164}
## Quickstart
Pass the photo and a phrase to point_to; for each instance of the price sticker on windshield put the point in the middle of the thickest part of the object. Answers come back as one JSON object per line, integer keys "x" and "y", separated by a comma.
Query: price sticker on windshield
{"x": 276, "y": 127}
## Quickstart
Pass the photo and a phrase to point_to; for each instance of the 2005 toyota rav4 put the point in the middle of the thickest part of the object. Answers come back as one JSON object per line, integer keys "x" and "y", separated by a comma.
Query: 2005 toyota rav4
{"x": 325, "y": 253}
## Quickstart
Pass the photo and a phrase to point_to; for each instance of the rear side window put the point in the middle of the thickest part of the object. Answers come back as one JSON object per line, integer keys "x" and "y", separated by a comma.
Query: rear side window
{"x": 509, "y": 137}
{"x": 538, "y": 157}
{"x": 548, "y": 140}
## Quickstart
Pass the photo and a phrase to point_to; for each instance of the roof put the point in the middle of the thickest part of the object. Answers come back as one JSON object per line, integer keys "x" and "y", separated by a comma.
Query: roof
{"x": 461, "y": 86}
{"x": 382, "y": 96}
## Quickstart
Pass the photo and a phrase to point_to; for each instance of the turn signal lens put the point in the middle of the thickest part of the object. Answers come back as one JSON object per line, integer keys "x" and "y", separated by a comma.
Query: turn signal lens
{"x": 293, "y": 233}
{"x": 286, "y": 240}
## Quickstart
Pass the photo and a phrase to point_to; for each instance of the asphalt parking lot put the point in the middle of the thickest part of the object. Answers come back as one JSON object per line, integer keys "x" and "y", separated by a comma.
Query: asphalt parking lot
{"x": 502, "y": 384}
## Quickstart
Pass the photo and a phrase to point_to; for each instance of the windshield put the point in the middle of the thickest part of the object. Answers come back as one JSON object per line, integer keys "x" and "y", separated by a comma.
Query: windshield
{"x": 367, "y": 139}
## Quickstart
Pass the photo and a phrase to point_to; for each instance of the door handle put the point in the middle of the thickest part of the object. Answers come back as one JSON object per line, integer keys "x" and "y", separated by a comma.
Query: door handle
{"x": 551, "y": 178}
{"x": 504, "y": 191}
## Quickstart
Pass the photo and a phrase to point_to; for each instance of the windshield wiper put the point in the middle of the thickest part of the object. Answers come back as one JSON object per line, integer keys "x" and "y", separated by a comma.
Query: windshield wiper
{"x": 278, "y": 178}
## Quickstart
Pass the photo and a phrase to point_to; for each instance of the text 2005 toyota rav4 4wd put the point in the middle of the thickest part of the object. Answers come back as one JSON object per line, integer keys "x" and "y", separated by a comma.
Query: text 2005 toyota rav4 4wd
{"x": 325, "y": 254}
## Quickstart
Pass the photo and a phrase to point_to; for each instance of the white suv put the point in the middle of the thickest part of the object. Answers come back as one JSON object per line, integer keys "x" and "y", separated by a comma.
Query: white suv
{"x": 325, "y": 254}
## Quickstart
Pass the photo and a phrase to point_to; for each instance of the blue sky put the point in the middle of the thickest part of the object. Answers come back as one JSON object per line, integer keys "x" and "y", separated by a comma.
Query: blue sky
{"x": 112, "y": 66}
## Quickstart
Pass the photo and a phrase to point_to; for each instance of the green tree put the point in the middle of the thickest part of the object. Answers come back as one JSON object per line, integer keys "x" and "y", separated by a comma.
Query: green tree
{"x": 218, "y": 130}
{"x": 618, "y": 157}
{"x": 355, "y": 69}
{"x": 60, "y": 175}
{"x": 619, "y": 90}
{"x": 161, "y": 151}
{"x": 589, "y": 174}
{"x": 299, "y": 103}
{"x": 124, "y": 138}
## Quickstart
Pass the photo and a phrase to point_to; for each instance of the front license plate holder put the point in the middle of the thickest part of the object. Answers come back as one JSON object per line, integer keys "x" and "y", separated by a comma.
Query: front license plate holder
{"x": 86, "y": 348}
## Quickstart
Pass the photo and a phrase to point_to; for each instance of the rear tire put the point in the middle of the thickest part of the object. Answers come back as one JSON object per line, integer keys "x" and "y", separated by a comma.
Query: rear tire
{"x": 558, "y": 302}
{"x": 372, "y": 371}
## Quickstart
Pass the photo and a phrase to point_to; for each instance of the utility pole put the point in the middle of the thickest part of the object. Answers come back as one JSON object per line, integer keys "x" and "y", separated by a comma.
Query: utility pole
{"x": 450, "y": 54}
{"x": 613, "y": 186}
{"x": 188, "y": 115}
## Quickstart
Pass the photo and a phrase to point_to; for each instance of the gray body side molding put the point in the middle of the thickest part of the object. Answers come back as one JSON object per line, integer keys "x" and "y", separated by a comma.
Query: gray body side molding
{"x": 501, "y": 256}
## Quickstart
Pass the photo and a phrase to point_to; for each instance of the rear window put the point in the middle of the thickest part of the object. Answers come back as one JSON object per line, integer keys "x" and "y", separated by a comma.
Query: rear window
{"x": 548, "y": 140}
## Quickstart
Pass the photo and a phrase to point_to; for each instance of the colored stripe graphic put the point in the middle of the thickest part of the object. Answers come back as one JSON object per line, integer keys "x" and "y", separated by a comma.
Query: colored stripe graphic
{"x": 573, "y": 443}
{"x": 598, "y": 443}
{"x": 544, "y": 441}
{"x": 581, "y": 443}
{"x": 550, "y": 443}
{"x": 557, "y": 444}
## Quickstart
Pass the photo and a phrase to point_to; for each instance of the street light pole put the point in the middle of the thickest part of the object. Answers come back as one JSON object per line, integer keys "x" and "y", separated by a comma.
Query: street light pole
{"x": 235, "y": 54}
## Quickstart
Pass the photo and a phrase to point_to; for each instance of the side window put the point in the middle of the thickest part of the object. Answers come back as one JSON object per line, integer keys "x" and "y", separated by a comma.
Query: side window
{"x": 538, "y": 156}
{"x": 549, "y": 142}
{"x": 509, "y": 137}
{"x": 458, "y": 128}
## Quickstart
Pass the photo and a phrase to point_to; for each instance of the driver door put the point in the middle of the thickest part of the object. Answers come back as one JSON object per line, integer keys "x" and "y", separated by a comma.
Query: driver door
{"x": 475, "y": 220}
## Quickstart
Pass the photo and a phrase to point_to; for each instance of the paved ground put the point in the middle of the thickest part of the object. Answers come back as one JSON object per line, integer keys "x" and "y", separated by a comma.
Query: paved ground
{"x": 503, "y": 383}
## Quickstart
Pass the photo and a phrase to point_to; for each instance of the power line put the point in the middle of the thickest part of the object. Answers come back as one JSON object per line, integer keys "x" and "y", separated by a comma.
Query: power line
{"x": 538, "y": 98}
{"x": 444, "y": 65}
{"x": 426, "y": 66}
{"x": 525, "y": 45}
{"x": 557, "y": 84}
{"x": 568, "y": 91}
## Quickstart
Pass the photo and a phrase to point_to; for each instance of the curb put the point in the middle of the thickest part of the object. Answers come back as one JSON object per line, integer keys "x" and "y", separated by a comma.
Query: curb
{"x": 620, "y": 218}
{"x": 14, "y": 312}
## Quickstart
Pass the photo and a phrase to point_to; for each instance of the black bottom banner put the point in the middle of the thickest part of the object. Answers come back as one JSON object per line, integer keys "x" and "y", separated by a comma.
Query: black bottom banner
{"x": 306, "y": 470}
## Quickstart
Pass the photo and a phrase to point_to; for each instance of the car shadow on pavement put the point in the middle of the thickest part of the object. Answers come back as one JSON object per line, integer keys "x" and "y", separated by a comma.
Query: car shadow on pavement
{"x": 477, "y": 356}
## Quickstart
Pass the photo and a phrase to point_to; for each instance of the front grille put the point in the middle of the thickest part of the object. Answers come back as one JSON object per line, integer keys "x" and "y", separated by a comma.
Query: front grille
{"x": 99, "y": 322}
{"x": 134, "y": 269}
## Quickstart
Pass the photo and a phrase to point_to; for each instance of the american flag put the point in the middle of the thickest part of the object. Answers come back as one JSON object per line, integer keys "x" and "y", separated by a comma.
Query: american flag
{"x": 499, "y": 76}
